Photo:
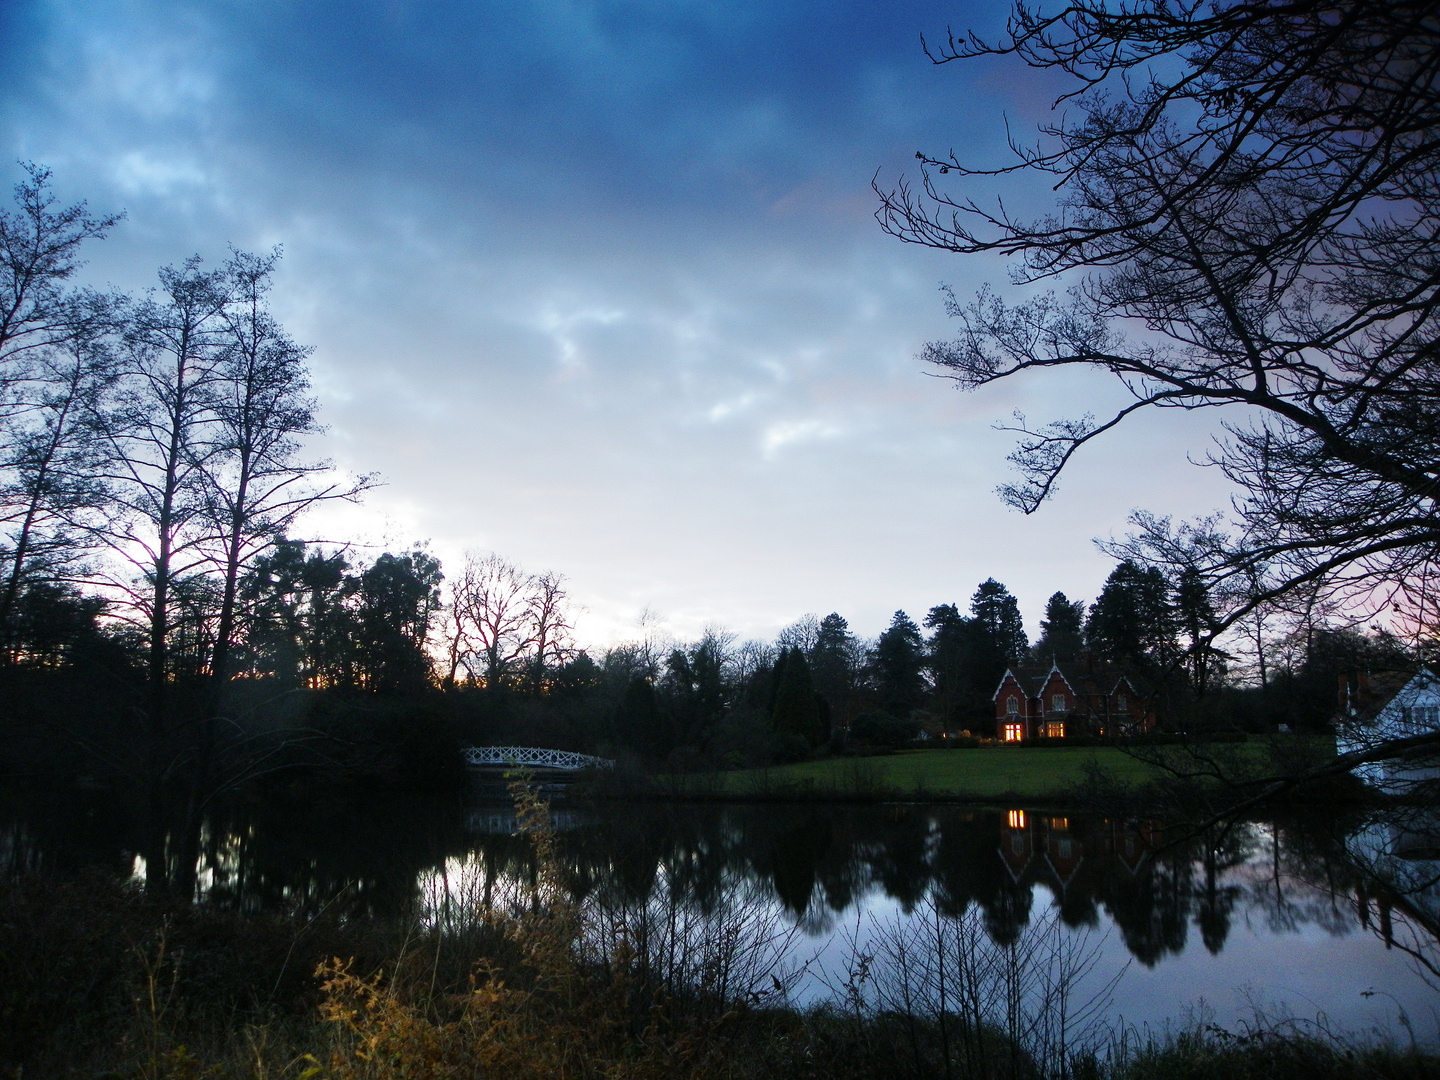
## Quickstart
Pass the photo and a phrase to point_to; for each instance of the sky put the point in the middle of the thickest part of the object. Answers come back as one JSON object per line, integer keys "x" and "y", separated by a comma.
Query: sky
{"x": 598, "y": 286}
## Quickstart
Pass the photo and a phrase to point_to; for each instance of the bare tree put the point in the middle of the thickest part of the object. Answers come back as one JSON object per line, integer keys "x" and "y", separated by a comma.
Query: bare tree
{"x": 256, "y": 485}
{"x": 1253, "y": 188}
{"x": 53, "y": 461}
{"x": 39, "y": 252}
{"x": 491, "y": 619}
{"x": 802, "y": 634}
{"x": 52, "y": 354}
{"x": 550, "y": 627}
{"x": 161, "y": 439}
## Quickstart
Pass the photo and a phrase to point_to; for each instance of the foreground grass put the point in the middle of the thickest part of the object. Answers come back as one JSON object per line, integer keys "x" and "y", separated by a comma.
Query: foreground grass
{"x": 1002, "y": 772}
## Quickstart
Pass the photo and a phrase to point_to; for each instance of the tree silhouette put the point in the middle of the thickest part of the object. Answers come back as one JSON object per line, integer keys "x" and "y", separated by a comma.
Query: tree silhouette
{"x": 397, "y": 601}
{"x": 1131, "y": 621}
{"x": 1062, "y": 630}
{"x": 898, "y": 666}
{"x": 797, "y": 709}
{"x": 1256, "y": 184}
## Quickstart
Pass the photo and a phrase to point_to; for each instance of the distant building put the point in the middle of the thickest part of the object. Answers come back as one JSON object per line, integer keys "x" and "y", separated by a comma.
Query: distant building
{"x": 1080, "y": 698}
{"x": 1389, "y": 705}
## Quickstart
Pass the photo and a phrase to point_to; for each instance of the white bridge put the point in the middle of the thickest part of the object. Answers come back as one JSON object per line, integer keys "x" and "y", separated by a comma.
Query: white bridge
{"x": 530, "y": 757}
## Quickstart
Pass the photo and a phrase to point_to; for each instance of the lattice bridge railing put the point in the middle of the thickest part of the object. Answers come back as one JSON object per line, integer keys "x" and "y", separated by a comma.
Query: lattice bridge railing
{"x": 531, "y": 757}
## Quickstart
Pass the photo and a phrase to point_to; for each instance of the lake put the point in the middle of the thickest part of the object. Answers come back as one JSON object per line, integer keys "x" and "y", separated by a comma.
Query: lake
{"x": 1325, "y": 918}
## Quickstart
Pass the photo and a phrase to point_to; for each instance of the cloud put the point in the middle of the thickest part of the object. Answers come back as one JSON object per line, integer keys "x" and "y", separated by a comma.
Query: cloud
{"x": 792, "y": 432}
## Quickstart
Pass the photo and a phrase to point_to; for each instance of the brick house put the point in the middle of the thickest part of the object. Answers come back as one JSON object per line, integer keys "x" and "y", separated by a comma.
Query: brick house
{"x": 1081, "y": 698}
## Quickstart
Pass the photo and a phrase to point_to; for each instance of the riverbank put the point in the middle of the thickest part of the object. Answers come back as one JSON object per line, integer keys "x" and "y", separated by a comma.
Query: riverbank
{"x": 999, "y": 775}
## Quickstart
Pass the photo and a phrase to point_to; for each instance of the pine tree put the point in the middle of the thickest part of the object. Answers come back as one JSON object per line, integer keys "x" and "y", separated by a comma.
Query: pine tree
{"x": 998, "y": 614}
{"x": 1132, "y": 621}
{"x": 798, "y": 709}
{"x": 899, "y": 666}
{"x": 1062, "y": 631}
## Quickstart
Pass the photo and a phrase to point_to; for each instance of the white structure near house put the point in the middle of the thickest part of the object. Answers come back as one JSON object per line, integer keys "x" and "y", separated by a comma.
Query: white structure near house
{"x": 1413, "y": 709}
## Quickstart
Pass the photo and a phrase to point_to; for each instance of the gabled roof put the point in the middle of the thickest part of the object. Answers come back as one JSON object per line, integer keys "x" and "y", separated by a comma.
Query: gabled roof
{"x": 1380, "y": 690}
{"x": 1083, "y": 677}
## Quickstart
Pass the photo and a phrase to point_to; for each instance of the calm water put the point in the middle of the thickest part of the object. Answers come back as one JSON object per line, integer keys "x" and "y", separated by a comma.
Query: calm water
{"x": 1311, "y": 917}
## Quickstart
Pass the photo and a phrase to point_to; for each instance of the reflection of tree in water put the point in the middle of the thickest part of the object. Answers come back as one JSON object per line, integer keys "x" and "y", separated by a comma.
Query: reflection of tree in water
{"x": 1221, "y": 850}
{"x": 353, "y": 852}
{"x": 1380, "y": 867}
{"x": 305, "y": 853}
{"x": 900, "y": 863}
{"x": 790, "y": 860}
{"x": 1336, "y": 871}
{"x": 47, "y": 829}
{"x": 1152, "y": 909}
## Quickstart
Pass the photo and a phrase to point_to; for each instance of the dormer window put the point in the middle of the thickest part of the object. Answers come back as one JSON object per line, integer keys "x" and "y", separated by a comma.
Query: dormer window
{"x": 1057, "y": 703}
{"x": 1122, "y": 703}
{"x": 1012, "y": 706}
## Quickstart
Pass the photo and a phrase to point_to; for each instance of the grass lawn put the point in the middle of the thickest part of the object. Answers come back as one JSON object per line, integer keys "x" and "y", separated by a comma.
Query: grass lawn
{"x": 1023, "y": 772}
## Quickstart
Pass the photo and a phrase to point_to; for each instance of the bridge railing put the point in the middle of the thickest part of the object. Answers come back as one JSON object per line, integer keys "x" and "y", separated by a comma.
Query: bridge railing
{"x": 533, "y": 757}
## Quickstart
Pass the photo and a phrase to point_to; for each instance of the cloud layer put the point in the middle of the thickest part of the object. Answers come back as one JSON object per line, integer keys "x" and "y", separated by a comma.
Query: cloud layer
{"x": 597, "y": 285}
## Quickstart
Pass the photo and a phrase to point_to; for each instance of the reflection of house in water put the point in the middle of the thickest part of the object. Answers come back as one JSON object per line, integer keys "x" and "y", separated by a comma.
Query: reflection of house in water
{"x": 1401, "y": 856}
{"x": 1049, "y": 849}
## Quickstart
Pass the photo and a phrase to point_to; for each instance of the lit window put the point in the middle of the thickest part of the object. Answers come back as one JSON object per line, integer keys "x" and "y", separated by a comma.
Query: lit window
{"x": 1055, "y": 730}
{"x": 1057, "y": 703}
{"x": 1012, "y": 706}
{"x": 1014, "y": 732}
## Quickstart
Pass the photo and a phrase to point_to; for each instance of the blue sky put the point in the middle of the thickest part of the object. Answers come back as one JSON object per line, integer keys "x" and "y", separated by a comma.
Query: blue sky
{"x": 598, "y": 286}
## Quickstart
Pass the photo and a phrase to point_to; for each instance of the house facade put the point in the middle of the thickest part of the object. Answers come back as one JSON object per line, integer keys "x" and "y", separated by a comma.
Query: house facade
{"x": 1374, "y": 711}
{"x": 1084, "y": 698}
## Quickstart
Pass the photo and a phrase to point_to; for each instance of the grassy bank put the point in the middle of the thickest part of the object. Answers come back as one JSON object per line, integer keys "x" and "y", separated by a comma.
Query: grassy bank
{"x": 996, "y": 773}
{"x": 999, "y": 774}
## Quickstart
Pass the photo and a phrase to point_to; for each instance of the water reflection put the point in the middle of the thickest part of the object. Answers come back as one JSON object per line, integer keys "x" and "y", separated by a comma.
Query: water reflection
{"x": 809, "y": 867}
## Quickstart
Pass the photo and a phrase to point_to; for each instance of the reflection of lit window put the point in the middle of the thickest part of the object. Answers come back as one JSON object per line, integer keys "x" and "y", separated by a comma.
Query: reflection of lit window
{"x": 1064, "y": 849}
{"x": 1017, "y": 844}
{"x": 1057, "y": 703}
{"x": 1129, "y": 847}
{"x": 1017, "y": 819}
{"x": 1014, "y": 732}
{"x": 1012, "y": 706}
{"x": 1059, "y": 823}
{"x": 1055, "y": 730}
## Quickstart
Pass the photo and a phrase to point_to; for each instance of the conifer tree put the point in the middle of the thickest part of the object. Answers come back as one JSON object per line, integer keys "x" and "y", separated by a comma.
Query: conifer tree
{"x": 798, "y": 709}
{"x": 1062, "y": 631}
{"x": 898, "y": 664}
